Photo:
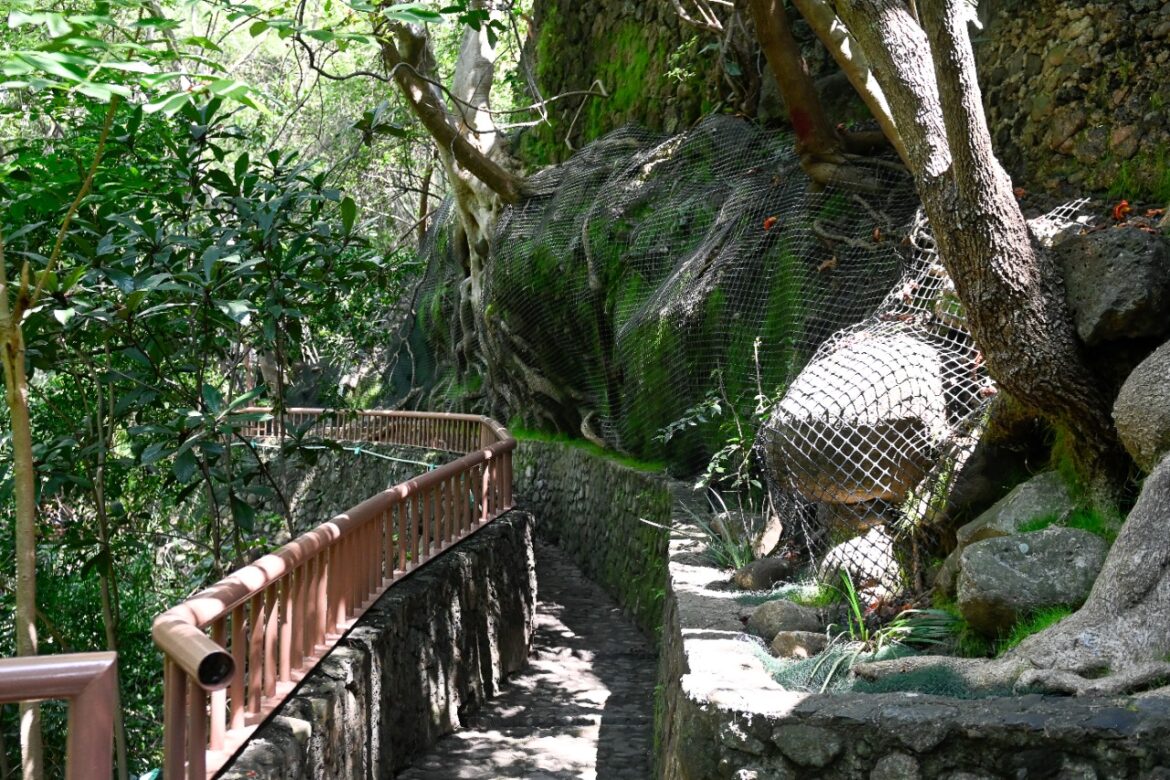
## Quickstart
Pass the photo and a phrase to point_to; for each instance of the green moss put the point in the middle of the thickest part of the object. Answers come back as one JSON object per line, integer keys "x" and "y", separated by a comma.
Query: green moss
{"x": 1099, "y": 522}
{"x": 630, "y": 71}
{"x": 1032, "y": 624}
{"x": 1144, "y": 177}
{"x": 526, "y": 434}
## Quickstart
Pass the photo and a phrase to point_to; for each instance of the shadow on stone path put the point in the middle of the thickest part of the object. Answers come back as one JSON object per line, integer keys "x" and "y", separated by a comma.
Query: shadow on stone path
{"x": 584, "y": 707}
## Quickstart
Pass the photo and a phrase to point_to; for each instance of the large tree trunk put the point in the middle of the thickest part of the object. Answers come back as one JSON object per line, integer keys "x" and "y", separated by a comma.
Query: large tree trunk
{"x": 1011, "y": 291}
{"x": 1018, "y": 315}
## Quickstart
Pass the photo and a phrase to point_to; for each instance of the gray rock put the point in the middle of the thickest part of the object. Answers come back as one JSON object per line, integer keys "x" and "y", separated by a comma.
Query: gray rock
{"x": 798, "y": 644}
{"x": 868, "y": 559}
{"x": 1005, "y": 578}
{"x": 807, "y": 745}
{"x": 1142, "y": 409}
{"x": 762, "y": 574}
{"x": 772, "y": 617}
{"x": 895, "y": 766}
{"x": 829, "y": 439}
{"x": 1043, "y": 495}
{"x": 1118, "y": 284}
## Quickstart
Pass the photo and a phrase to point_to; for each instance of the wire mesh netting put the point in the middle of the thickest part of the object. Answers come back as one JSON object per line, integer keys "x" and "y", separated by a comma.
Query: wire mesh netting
{"x": 657, "y": 274}
{"x": 662, "y": 271}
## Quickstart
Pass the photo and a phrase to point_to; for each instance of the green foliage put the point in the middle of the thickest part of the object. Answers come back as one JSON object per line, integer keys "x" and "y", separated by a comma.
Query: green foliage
{"x": 728, "y": 540}
{"x": 934, "y": 680}
{"x": 968, "y": 643}
{"x": 193, "y": 247}
{"x": 1032, "y": 624}
{"x": 828, "y": 671}
{"x": 813, "y": 594}
{"x": 1144, "y": 177}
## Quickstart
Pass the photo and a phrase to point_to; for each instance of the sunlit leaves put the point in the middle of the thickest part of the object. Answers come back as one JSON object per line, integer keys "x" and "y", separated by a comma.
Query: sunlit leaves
{"x": 77, "y": 53}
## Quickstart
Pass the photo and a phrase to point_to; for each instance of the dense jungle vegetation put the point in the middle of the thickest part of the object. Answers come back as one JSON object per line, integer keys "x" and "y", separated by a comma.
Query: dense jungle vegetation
{"x": 191, "y": 209}
{"x": 207, "y": 205}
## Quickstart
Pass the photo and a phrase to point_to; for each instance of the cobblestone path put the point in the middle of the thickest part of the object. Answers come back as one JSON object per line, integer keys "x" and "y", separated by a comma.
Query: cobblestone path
{"x": 584, "y": 707}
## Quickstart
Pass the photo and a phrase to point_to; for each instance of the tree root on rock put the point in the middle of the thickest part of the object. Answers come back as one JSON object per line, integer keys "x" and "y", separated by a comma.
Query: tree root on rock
{"x": 1117, "y": 643}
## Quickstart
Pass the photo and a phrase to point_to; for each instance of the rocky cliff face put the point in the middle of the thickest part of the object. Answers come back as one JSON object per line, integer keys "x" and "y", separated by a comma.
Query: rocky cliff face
{"x": 1074, "y": 90}
{"x": 1076, "y": 94}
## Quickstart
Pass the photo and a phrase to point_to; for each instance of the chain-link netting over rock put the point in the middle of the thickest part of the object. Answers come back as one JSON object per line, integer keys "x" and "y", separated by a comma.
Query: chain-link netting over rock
{"x": 656, "y": 274}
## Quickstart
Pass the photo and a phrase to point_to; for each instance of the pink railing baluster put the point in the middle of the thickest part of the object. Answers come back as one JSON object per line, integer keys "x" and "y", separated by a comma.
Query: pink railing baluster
{"x": 268, "y": 620}
{"x": 218, "y": 704}
{"x": 256, "y": 652}
{"x": 196, "y": 730}
{"x": 239, "y": 657}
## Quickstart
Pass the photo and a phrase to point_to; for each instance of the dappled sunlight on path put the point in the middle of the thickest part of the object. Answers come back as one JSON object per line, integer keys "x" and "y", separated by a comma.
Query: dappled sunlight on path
{"x": 584, "y": 706}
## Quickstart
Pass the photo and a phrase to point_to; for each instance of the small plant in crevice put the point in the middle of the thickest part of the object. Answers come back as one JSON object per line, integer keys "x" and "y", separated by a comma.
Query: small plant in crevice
{"x": 1032, "y": 624}
{"x": 728, "y": 546}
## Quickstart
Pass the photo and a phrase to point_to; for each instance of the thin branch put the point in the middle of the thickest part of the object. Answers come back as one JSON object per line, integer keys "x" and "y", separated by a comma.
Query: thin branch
{"x": 25, "y": 301}
{"x": 841, "y": 45}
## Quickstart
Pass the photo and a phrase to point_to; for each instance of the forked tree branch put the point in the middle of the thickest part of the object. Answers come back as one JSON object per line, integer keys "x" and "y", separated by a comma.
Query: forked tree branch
{"x": 841, "y": 45}
{"x": 434, "y": 116}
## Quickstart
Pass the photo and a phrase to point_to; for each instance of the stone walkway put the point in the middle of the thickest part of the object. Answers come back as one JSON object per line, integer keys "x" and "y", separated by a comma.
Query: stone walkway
{"x": 584, "y": 707}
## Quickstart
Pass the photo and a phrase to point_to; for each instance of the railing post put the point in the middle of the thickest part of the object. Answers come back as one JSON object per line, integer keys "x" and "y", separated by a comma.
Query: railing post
{"x": 89, "y": 745}
{"x": 174, "y": 720}
{"x": 196, "y": 731}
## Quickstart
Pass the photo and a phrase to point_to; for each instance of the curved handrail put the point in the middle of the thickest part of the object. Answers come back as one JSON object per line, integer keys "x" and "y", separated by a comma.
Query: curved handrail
{"x": 278, "y": 611}
{"x": 90, "y": 682}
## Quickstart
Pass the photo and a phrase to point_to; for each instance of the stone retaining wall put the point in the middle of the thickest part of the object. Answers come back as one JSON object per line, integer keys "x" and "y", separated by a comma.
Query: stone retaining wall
{"x": 725, "y": 717}
{"x": 610, "y": 519}
{"x": 322, "y": 483}
{"x": 435, "y": 645}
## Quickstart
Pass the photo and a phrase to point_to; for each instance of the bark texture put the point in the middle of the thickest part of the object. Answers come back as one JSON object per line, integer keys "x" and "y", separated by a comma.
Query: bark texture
{"x": 1016, "y": 309}
{"x": 1011, "y": 291}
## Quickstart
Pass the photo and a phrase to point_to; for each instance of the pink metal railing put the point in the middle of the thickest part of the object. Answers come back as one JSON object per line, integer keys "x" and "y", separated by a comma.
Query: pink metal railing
{"x": 90, "y": 682}
{"x": 233, "y": 652}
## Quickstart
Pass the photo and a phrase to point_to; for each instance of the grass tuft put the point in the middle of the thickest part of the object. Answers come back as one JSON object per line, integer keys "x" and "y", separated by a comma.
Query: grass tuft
{"x": 1100, "y": 523}
{"x": 1032, "y": 624}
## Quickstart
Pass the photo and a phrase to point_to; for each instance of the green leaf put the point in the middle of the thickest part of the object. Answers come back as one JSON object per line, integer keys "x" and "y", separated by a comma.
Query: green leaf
{"x": 243, "y": 513}
{"x": 154, "y": 453}
{"x": 184, "y": 466}
{"x": 412, "y": 13}
{"x": 103, "y": 92}
{"x": 348, "y": 214}
{"x": 239, "y": 311}
{"x": 168, "y": 104}
{"x": 202, "y": 42}
{"x": 212, "y": 399}
{"x": 241, "y": 167}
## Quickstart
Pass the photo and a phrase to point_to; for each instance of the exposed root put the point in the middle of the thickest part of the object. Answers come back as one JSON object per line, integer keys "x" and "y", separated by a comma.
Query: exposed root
{"x": 587, "y": 431}
{"x": 976, "y": 673}
{"x": 1133, "y": 679}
